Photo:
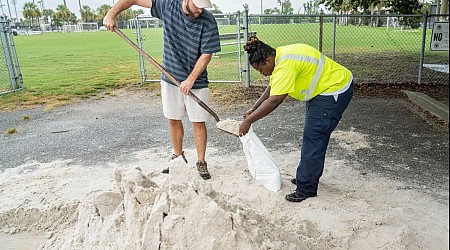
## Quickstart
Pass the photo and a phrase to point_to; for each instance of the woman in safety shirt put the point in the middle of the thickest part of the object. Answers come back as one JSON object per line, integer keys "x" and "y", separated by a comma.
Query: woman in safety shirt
{"x": 305, "y": 74}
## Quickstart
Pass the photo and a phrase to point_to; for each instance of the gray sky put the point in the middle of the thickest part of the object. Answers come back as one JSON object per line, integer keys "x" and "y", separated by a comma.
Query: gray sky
{"x": 226, "y": 6}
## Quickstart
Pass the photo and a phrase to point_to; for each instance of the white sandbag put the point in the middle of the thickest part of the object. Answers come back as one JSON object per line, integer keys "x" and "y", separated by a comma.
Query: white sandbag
{"x": 260, "y": 162}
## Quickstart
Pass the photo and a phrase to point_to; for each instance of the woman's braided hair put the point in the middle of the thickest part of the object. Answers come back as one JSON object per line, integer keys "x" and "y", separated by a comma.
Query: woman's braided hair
{"x": 258, "y": 51}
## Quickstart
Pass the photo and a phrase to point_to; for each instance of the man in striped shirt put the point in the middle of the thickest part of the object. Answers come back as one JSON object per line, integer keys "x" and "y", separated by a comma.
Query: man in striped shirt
{"x": 190, "y": 38}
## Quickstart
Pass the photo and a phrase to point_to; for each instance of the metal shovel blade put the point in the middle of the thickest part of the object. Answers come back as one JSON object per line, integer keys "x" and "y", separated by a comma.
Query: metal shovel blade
{"x": 229, "y": 125}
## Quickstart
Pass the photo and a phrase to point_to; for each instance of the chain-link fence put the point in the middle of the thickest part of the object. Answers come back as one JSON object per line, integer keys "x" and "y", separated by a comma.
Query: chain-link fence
{"x": 377, "y": 49}
{"x": 10, "y": 75}
{"x": 387, "y": 49}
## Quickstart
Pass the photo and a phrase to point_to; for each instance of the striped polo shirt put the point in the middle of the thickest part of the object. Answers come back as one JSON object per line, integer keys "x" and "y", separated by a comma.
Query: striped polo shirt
{"x": 185, "y": 40}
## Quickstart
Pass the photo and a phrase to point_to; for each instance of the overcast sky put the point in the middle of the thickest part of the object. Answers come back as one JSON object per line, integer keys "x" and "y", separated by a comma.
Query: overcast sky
{"x": 226, "y": 6}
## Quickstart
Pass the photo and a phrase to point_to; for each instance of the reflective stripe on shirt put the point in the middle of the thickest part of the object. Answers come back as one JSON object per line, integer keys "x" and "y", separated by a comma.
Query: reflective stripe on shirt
{"x": 309, "y": 59}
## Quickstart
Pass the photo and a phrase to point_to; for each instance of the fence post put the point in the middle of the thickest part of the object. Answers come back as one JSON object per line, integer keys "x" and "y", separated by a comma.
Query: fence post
{"x": 333, "y": 49}
{"x": 320, "y": 32}
{"x": 142, "y": 70}
{"x": 247, "y": 64}
{"x": 239, "y": 49}
{"x": 422, "y": 53}
{"x": 4, "y": 30}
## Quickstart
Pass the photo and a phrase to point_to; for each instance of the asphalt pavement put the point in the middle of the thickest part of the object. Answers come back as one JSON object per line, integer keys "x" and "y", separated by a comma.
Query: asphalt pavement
{"x": 404, "y": 144}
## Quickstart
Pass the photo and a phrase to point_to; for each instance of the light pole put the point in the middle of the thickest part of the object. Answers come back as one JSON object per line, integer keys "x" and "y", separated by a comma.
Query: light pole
{"x": 14, "y": 2}
{"x": 9, "y": 10}
{"x": 81, "y": 11}
{"x": 1, "y": 5}
{"x": 261, "y": 13}
{"x": 261, "y": 8}
{"x": 41, "y": 3}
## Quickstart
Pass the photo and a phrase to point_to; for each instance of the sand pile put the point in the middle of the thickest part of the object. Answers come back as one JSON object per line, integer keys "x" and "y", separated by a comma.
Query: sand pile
{"x": 61, "y": 205}
{"x": 185, "y": 212}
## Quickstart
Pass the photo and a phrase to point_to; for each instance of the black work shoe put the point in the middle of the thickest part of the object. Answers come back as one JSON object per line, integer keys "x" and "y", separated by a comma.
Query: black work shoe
{"x": 296, "y": 197}
{"x": 202, "y": 168}
{"x": 294, "y": 181}
{"x": 166, "y": 170}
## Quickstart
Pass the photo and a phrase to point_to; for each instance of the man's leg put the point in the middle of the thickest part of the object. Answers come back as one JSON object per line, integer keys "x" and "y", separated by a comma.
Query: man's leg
{"x": 200, "y": 138}
{"x": 198, "y": 116}
{"x": 176, "y": 135}
{"x": 174, "y": 110}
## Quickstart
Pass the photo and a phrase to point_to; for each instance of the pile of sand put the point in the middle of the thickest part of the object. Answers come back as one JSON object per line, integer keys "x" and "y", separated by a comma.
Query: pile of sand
{"x": 61, "y": 205}
{"x": 183, "y": 212}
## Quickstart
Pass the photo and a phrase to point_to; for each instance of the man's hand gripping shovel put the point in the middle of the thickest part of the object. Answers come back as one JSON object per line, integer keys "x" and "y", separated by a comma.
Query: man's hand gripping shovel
{"x": 228, "y": 125}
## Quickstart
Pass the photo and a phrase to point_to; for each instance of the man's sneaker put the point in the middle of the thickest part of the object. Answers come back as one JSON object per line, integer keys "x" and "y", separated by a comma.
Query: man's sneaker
{"x": 166, "y": 170}
{"x": 202, "y": 168}
{"x": 296, "y": 197}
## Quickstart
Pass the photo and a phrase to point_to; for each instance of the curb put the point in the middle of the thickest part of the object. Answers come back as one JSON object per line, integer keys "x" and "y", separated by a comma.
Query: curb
{"x": 433, "y": 106}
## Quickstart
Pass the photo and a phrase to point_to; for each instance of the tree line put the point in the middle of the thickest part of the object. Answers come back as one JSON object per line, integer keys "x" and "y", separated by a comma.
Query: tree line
{"x": 34, "y": 16}
{"x": 314, "y": 7}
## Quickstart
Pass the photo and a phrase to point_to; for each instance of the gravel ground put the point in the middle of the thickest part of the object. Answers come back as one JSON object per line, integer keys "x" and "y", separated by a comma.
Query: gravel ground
{"x": 406, "y": 142}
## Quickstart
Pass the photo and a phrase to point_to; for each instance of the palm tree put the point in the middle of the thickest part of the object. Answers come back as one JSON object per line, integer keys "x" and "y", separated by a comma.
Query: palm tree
{"x": 31, "y": 11}
{"x": 286, "y": 7}
{"x": 140, "y": 12}
{"x": 63, "y": 13}
{"x": 125, "y": 15}
{"x": 333, "y": 5}
{"x": 102, "y": 10}
{"x": 87, "y": 15}
{"x": 48, "y": 13}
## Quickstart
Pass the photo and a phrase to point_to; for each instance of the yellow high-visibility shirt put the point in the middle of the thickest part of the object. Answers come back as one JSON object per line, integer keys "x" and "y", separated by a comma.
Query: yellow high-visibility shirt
{"x": 303, "y": 72}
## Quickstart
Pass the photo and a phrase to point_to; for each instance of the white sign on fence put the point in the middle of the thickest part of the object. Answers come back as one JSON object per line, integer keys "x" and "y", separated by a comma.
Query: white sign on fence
{"x": 439, "y": 37}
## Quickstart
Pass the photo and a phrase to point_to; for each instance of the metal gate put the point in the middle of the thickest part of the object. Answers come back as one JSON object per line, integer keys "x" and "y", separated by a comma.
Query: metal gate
{"x": 10, "y": 75}
{"x": 225, "y": 66}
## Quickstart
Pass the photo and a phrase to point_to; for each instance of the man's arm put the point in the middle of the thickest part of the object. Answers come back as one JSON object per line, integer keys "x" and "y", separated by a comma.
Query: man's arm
{"x": 110, "y": 19}
{"x": 199, "y": 67}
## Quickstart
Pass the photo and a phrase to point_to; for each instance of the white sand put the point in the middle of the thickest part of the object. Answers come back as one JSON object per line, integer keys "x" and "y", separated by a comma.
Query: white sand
{"x": 60, "y": 205}
{"x": 229, "y": 125}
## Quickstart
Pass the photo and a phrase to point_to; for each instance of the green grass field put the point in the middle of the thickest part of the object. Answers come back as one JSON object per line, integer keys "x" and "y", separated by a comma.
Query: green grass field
{"x": 68, "y": 66}
{"x": 61, "y": 68}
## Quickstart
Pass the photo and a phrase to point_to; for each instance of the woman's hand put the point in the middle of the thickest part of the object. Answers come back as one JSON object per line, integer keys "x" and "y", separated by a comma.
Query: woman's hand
{"x": 244, "y": 127}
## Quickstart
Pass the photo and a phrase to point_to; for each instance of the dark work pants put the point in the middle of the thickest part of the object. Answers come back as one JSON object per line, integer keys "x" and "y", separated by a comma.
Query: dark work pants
{"x": 323, "y": 114}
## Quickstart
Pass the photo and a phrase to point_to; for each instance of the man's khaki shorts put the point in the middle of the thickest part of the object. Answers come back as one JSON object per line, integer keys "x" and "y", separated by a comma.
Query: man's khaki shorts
{"x": 176, "y": 104}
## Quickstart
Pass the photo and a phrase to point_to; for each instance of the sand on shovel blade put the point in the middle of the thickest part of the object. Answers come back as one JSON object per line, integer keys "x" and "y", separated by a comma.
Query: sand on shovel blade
{"x": 229, "y": 125}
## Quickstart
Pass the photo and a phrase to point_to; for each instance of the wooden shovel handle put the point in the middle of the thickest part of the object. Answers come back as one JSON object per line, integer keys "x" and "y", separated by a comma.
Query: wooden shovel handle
{"x": 167, "y": 74}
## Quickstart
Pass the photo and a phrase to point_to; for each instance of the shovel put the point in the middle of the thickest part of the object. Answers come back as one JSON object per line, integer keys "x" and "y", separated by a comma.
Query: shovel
{"x": 228, "y": 125}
